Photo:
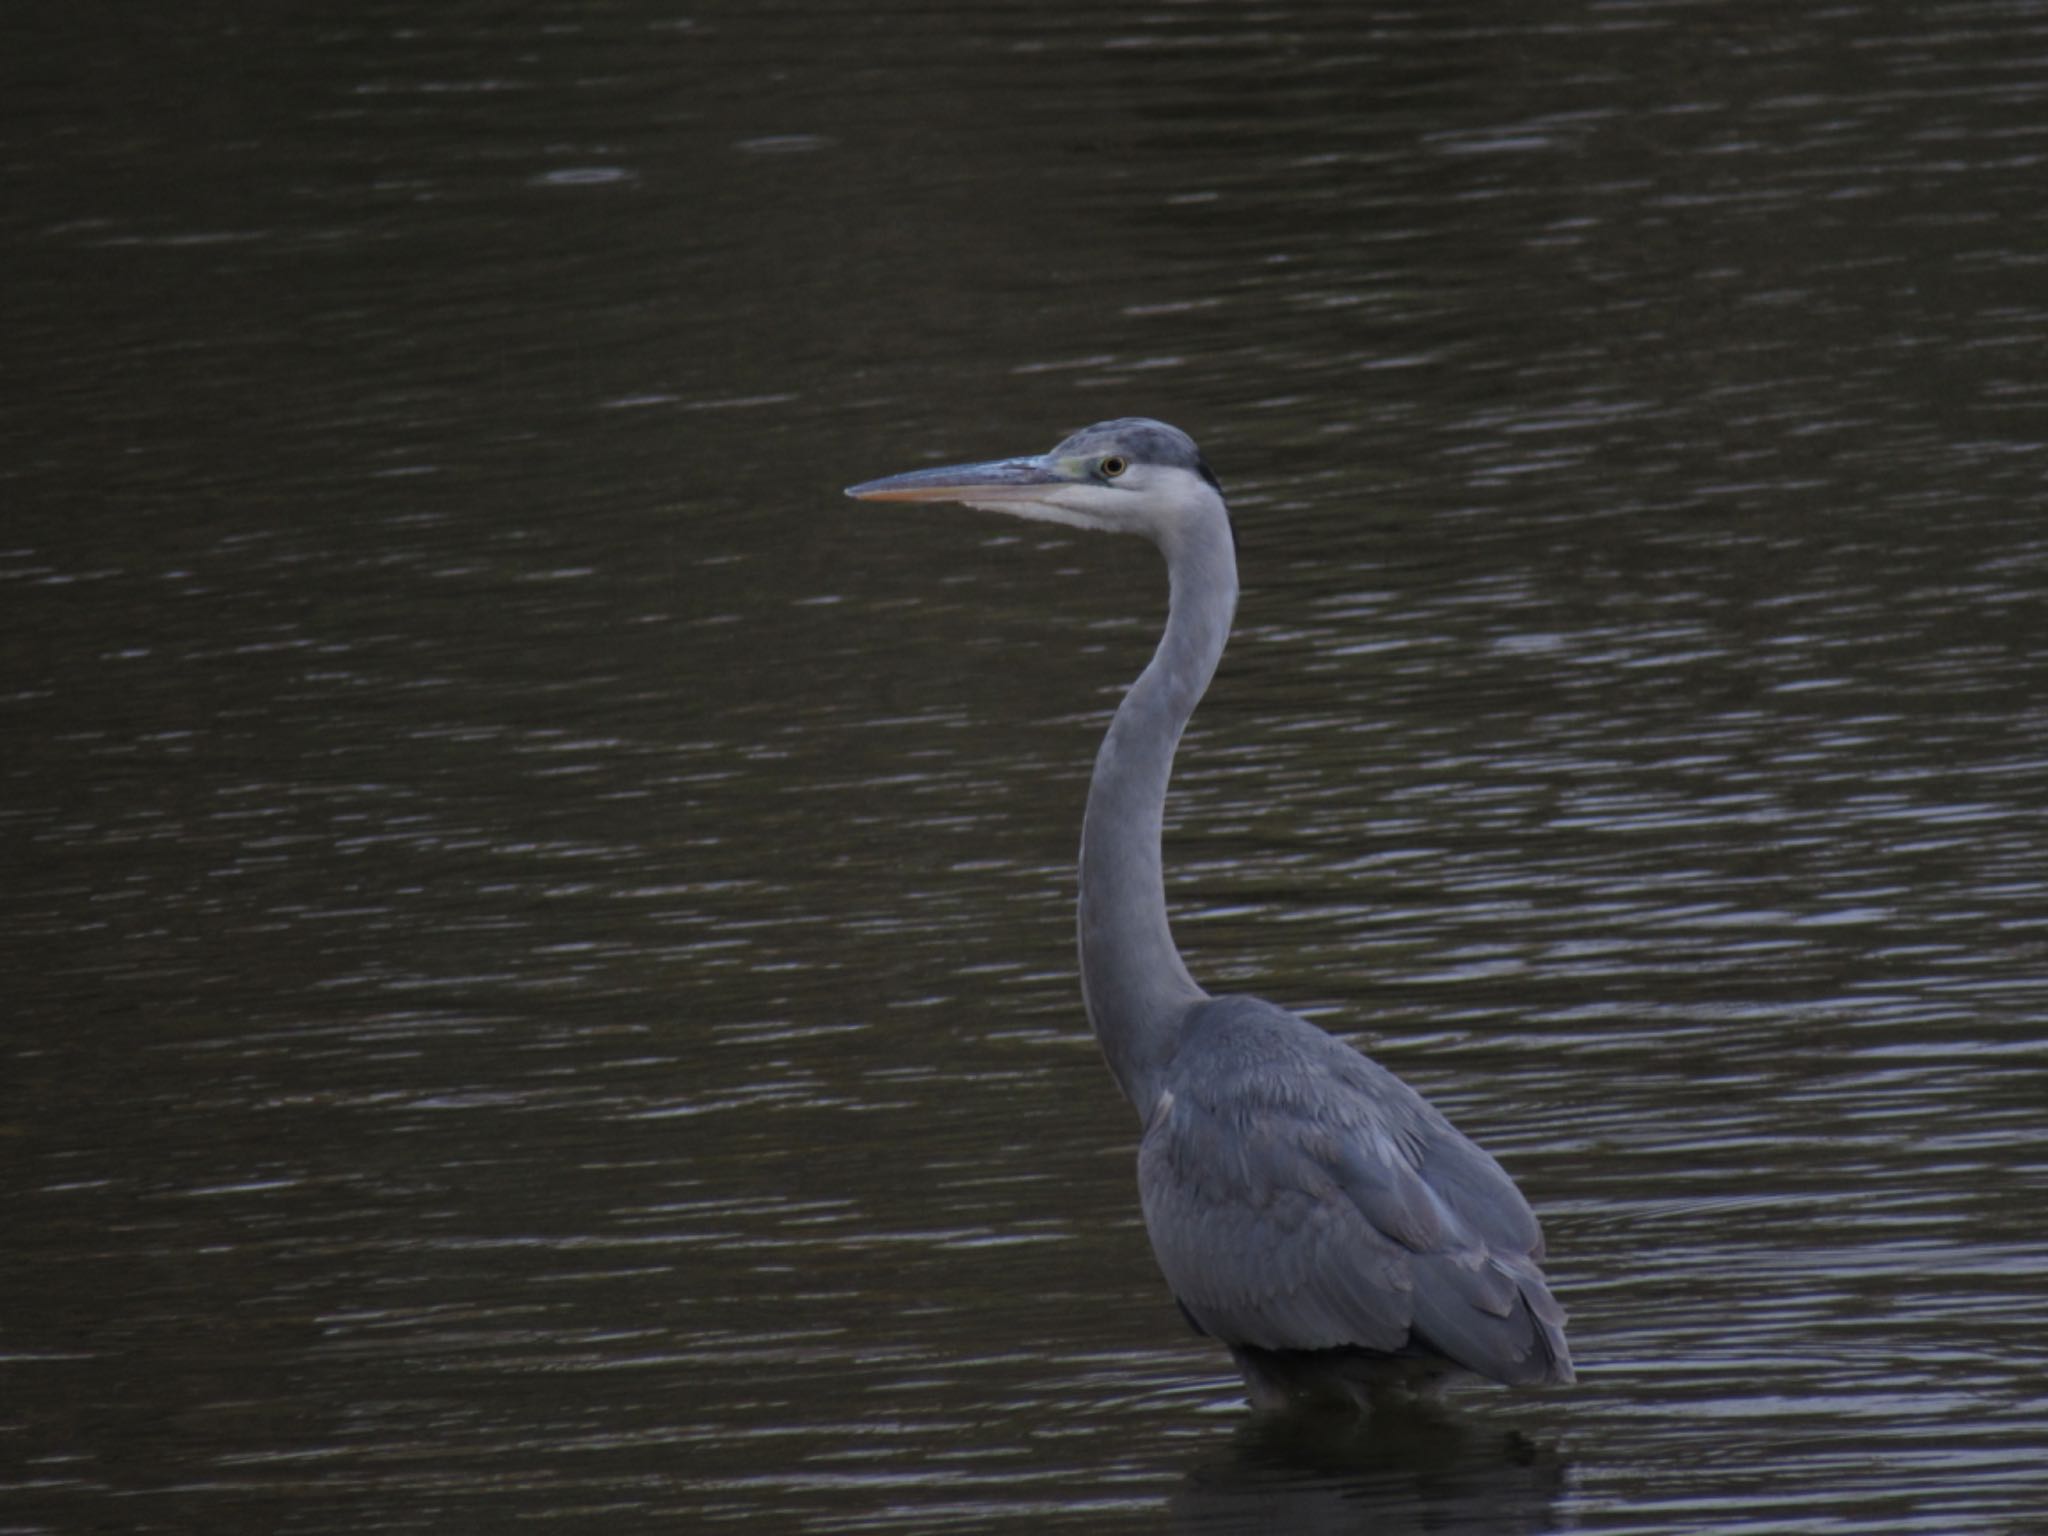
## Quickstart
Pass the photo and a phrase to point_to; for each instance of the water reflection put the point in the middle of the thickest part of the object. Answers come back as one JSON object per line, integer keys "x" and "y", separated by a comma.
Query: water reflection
{"x": 1420, "y": 1473}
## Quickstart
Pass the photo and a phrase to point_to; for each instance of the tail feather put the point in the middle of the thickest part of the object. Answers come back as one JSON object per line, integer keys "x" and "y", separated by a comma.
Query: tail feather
{"x": 1497, "y": 1318}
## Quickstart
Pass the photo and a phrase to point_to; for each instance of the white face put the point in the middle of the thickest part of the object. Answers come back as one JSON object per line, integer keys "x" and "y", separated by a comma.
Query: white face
{"x": 1107, "y": 491}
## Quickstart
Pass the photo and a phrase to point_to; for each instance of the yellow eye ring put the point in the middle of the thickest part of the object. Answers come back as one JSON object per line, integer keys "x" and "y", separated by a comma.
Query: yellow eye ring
{"x": 1112, "y": 467}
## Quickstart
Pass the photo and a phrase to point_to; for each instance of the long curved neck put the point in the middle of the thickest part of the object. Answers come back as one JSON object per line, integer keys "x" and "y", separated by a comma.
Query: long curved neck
{"x": 1135, "y": 985}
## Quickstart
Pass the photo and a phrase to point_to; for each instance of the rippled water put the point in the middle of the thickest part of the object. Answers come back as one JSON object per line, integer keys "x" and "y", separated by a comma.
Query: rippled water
{"x": 539, "y": 937}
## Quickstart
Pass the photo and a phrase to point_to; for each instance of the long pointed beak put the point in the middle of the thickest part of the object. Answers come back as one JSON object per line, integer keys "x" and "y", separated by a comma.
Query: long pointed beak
{"x": 981, "y": 485}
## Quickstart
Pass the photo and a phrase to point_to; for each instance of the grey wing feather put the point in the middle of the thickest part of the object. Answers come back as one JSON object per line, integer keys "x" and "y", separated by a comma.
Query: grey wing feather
{"x": 1299, "y": 1197}
{"x": 1258, "y": 1243}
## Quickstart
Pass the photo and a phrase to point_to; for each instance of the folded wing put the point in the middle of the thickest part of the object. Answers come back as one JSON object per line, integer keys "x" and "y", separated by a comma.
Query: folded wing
{"x": 1300, "y": 1197}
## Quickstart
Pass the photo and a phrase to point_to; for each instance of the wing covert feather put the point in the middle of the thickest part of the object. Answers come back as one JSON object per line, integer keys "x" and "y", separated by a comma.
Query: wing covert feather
{"x": 1300, "y": 1197}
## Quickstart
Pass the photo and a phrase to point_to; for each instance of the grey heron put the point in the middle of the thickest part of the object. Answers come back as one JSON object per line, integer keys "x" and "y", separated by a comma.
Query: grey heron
{"x": 1310, "y": 1210}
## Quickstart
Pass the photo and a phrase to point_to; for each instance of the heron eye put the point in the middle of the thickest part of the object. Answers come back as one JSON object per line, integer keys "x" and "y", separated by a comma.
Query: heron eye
{"x": 1112, "y": 467}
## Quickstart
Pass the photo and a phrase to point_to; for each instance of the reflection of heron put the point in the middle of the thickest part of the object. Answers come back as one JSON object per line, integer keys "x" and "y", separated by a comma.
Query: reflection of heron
{"x": 1310, "y": 1209}
{"x": 1394, "y": 1476}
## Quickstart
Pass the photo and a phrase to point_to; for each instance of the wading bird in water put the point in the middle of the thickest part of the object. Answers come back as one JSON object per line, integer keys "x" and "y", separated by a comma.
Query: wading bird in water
{"x": 1310, "y": 1210}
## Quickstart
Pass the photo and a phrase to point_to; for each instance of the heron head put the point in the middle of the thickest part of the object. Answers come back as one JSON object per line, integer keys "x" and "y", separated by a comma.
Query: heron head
{"x": 1132, "y": 475}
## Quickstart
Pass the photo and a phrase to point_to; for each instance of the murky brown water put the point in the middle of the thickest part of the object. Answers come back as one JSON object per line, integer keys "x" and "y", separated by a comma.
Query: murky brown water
{"x": 539, "y": 936}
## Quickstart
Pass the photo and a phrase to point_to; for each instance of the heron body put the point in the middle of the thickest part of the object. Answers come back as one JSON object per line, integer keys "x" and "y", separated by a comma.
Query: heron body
{"x": 1309, "y": 1209}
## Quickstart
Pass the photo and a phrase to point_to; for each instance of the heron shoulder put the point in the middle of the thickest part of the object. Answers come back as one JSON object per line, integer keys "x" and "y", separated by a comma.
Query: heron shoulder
{"x": 1256, "y": 1055}
{"x": 1253, "y": 1072}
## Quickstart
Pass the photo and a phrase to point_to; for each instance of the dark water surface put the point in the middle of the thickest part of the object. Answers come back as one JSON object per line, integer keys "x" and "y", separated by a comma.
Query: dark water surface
{"x": 538, "y": 937}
